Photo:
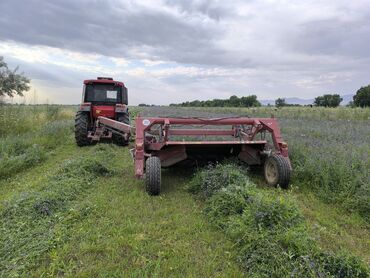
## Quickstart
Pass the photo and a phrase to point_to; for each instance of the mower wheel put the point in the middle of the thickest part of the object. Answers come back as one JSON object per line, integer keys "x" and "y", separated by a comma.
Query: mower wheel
{"x": 118, "y": 139}
{"x": 277, "y": 171}
{"x": 153, "y": 175}
{"x": 81, "y": 129}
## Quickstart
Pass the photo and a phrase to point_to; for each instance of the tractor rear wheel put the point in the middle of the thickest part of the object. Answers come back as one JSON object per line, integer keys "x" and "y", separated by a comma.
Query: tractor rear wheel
{"x": 153, "y": 175}
{"x": 277, "y": 171}
{"x": 118, "y": 139}
{"x": 82, "y": 123}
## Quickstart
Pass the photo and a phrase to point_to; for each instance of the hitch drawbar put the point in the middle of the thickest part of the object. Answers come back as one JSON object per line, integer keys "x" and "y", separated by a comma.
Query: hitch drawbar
{"x": 112, "y": 124}
{"x": 104, "y": 125}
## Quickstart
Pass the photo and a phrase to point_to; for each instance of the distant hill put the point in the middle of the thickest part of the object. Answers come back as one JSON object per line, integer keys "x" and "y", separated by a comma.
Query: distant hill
{"x": 292, "y": 100}
{"x": 302, "y": 101}
{"x": 346, "y": 99}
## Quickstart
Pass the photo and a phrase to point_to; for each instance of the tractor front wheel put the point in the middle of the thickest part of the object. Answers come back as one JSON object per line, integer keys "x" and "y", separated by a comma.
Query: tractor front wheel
{"x": 277, "y": 171}
{"x": 153, "y": 175}
{"x": 82, "y": 123}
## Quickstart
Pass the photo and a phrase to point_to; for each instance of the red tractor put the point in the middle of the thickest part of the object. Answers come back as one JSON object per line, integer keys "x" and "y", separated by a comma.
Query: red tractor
{"x": 101, "y": 97}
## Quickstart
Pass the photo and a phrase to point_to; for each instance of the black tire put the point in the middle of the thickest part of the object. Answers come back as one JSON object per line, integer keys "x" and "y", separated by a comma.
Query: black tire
{"x": 118, "y": 139}
{"x": 153, "y": 175}
{"x": 82, "y": 124}
{"x": 277, "y": 171}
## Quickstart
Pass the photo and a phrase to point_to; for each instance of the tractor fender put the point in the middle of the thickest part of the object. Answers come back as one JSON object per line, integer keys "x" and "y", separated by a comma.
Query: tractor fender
{"x": 121, "y": 108}
{"x": 86, "y": 107}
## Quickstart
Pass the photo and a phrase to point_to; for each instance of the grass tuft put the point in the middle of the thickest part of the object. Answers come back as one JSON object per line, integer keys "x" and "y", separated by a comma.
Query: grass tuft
{"x": 207, "y": 183}
{"x": 267, "y": 227}
{"x": 28, "y": 220}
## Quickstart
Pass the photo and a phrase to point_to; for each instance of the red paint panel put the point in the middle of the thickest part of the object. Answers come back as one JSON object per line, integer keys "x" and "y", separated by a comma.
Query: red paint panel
{"x": 104, "y": 111}
{"x": 200, "y": 132}
{"x": 105, "y": 81}
{"x": 169, "y": 143}
{"x": 172, "y": 155}
{"x": 139, "y": 149}
{"x": 199, "y": 121}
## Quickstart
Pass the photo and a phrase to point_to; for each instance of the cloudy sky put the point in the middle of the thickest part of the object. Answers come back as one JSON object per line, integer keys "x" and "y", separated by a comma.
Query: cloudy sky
{"x": 173, "y": 51}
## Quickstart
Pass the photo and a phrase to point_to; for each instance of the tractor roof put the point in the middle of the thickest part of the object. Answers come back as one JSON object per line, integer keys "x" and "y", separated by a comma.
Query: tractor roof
{"x": 105, "y": 80}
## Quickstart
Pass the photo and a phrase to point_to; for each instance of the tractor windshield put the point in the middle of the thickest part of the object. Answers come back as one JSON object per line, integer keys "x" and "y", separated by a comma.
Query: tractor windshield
{"x": 103, "y": 93}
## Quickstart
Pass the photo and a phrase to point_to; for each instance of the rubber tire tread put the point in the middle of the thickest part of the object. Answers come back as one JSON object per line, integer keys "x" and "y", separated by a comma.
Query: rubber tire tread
{"x": 153, "y": 176}
{"x": 81, "y": 129}
{"x": 284, "y": 170}
{"x": 117, "y": 139}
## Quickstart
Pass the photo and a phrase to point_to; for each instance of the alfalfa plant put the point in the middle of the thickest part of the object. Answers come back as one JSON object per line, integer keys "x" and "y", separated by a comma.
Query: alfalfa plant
{"x": 215, "y": 177}
{"x": 29, "y": 220}
{"x": 268, "y": 230}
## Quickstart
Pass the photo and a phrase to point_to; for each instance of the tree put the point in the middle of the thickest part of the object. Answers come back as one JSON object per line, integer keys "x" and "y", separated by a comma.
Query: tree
{"x": 280, "y": 102}
{"x": 362, "y": 97}
{"x": 328, "y": 100}
{"x": 250, "y": 101}
{"x": 11, "y": 82}
{"x": 234, "y": 101}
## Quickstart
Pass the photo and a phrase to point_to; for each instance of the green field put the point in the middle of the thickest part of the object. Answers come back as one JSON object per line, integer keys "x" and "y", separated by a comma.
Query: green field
{"x": 80, "y": 212}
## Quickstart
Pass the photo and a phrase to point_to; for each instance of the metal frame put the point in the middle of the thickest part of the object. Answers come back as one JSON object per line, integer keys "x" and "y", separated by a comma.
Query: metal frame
{"x": 242, "y": 133}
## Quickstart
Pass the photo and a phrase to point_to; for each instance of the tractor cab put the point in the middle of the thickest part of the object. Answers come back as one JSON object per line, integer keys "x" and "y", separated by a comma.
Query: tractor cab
{"x": 104, "y": 96}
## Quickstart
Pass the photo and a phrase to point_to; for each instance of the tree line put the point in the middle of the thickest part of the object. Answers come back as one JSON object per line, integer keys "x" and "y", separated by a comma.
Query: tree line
{"x": 360, "y": 99}
{"x": 233, "y": 101}
{"x": 326, "y": 100}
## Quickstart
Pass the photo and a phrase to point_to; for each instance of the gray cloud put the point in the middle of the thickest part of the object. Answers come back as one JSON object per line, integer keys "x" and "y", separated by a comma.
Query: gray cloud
{"x": 108, "y": 28}
{"x": 54, "y": 75}
{"x": 268, "y": 48}
{"x": 335, "y": 37}
{"x": 208, "y": 8}
{"x": 245, "y": 34}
